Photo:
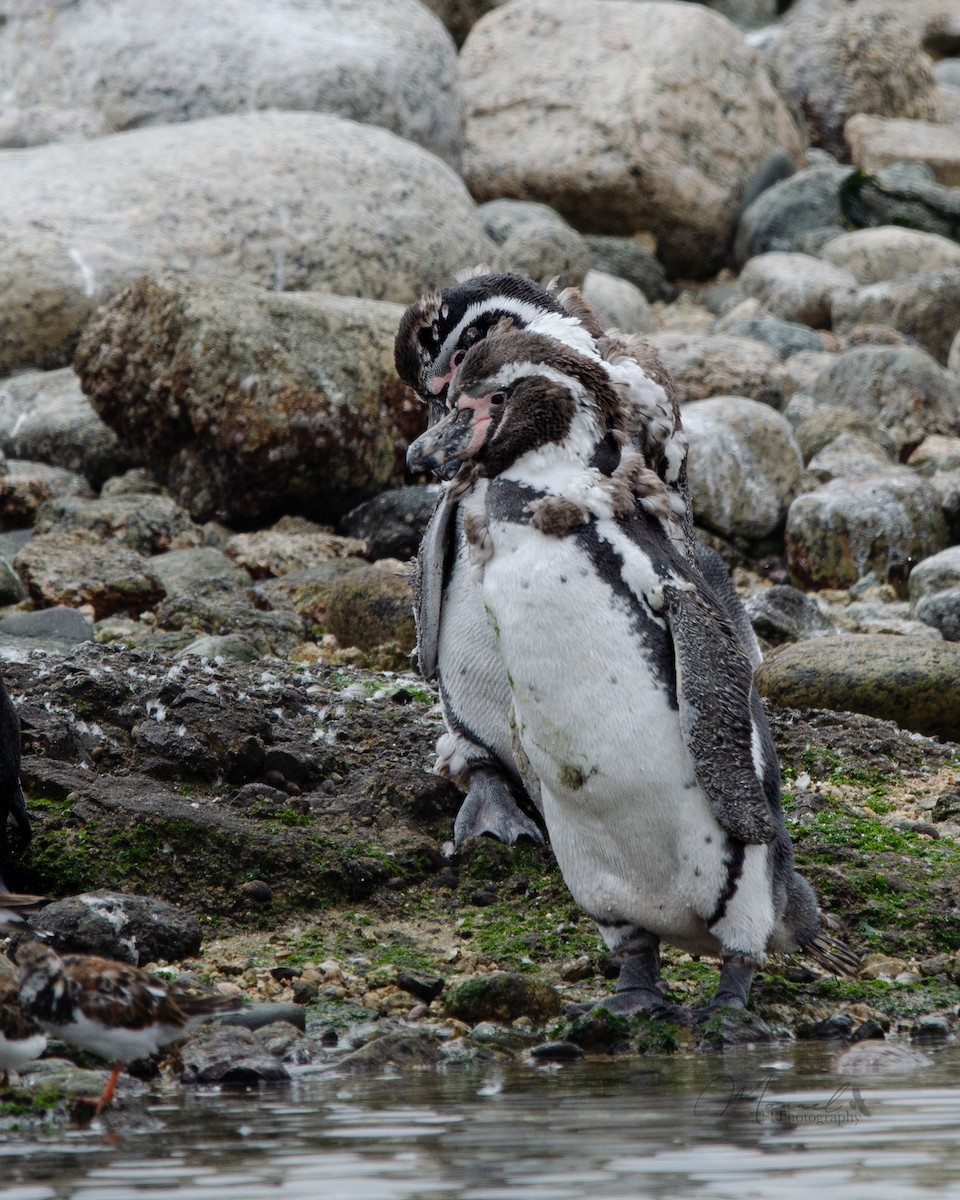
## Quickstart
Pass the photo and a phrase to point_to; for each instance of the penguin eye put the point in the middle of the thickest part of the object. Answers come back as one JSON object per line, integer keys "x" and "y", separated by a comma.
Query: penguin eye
{"x": 457, "y": 357}
{"x": 498, "y": 398}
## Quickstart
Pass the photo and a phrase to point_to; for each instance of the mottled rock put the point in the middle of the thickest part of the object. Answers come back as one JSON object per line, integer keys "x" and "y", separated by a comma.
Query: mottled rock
{"x": 281, "y": 200}
{"x": 131, "y": 929}
{"x": 45, "y": 417}
{"x": 195, "y": 569}
{"x": 935, "y": 592}
{"x": 847, "y": 456}
{"x": 229, "y": 1056}
{"x": 782, "y": 613}
{"x": 705, "y": 365}
{"x": 624, "y": 150}
{"x": 630, "y": 259}
{"x": 926, "y": 308}
{"x": 301, "y": 409}
{"x": 782, "y": 217}
{"x": 898, "y": 389}
{"x": 25, "y": 486}
{"x": 77, "y": 568}
{"x": 854, "y": 61}
{"x": 128, "y": 65}
{"x": 816, "y": 426}
{"x": 148, "y": 523}
{"x": 292, "y": 544}
{"x": 501, "y": 996}
{"x": 878, "y": 142}
{"x": 882, "y": 523}
{"x": 618, "y": 303}
{"x": 372, "y": 606}
{"x": 912, "y": 681}
{"x": 796, "y": 287}
{"x": 936, "y": 453}
{"x": 901, "y": 194}
{"x": 393, "y": 523}
{"x": 230, "y": 647}
{"x": 891, "y": 252}
{"x": 935, "y": 573}
{"x": 408, "y": 1048}
{"x": 743, "y": 465}
{"x": 785, "y": 338}
{"x": 59, "y": 624}
{"x": 534, "y": 240}
{"x": 220, "y": 611}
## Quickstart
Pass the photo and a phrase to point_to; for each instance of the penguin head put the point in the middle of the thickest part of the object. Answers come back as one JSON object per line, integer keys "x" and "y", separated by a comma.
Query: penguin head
{"x": 436, "y": 332}
{"x": 514, "y": 392}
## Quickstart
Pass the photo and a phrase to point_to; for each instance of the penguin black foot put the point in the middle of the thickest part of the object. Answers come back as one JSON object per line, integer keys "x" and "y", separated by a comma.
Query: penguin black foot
{"x": 489, "y": 807}
{"x": 634, "y": 1002}
{"x": 733, "y": 990}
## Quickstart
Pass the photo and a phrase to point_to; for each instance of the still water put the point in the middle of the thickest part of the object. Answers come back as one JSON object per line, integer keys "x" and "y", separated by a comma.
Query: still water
{"x": 752, "y": 1123}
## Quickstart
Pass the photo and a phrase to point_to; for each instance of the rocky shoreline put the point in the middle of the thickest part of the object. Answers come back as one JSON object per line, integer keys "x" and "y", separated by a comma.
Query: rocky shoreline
{"x": 207, "y": 527}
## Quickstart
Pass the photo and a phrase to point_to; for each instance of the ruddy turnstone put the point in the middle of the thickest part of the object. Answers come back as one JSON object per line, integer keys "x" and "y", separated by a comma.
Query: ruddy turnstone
{"x": 21, "y": 1039}
{"x": 112, "y": 1009}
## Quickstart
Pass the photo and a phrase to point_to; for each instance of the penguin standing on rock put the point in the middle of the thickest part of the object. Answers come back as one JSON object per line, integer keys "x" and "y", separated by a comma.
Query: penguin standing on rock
{"x": 632, "y": 690}
{"x": 454, "y": 642}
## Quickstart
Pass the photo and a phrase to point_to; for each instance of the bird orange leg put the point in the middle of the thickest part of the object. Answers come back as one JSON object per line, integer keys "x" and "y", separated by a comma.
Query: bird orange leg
{"x": 111, "y": 1087}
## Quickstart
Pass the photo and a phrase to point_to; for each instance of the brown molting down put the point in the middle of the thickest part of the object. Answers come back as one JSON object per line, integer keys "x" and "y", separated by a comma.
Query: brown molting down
{"x": 633, "y": 483}
{"x": 556, "y": 516}
{"x": 575, "y": 304}
{"x": 477, "y": 534}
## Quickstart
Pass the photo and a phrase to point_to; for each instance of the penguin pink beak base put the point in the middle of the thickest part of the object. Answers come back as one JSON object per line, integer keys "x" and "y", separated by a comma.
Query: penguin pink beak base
{"x": 459, "y": 435}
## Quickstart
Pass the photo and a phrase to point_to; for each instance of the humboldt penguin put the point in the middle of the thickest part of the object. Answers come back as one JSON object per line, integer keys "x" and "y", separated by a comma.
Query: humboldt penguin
{"x": 632, "y": 691}
{"x": 454, "y": 642}
{"x": 13, "y": 810}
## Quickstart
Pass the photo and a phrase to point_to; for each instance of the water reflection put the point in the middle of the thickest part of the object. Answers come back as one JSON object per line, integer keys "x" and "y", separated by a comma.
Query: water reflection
{"x": 750, "y": 1124}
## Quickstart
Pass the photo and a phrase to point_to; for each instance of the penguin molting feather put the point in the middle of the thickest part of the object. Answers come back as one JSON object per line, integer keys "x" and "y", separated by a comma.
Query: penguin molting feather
{"x": 659, "y": 781}
{"x": 454, "y": 643}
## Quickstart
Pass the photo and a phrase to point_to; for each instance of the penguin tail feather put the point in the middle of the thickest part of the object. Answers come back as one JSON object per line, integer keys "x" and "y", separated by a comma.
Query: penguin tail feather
{"x": 833, "y": 955}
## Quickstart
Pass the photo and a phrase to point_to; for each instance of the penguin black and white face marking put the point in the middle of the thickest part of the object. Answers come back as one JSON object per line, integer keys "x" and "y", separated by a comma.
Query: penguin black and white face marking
{"x": 513, "y": 393}
{"x": 436, "y": 332}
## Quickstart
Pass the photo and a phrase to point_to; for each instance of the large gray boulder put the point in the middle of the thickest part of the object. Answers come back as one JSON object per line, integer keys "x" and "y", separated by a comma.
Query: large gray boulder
{"x": 744, "y": 465}
{"x": 288, "y": 201}
{"x": 247, "y": 404}
{"x": 899, "y": 389}
{"x": 95, "y": 68}
{"x": 847, "y": 528}
{"x": 924, "y": 307}
{"x": 622, "y": 116}
{"x": 854, "y": 61}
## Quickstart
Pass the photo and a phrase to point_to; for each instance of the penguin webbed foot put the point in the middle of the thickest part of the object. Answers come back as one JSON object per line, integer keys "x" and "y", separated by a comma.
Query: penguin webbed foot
{"x": 733, "y": 990}
{"x": 489, "y": 807}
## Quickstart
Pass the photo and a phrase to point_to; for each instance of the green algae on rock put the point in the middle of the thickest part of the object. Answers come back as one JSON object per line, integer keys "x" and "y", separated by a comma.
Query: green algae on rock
{"x": 915, "y": 683}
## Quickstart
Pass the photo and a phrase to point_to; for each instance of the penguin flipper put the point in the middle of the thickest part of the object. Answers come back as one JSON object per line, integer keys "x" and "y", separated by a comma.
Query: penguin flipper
{"x": 714, "y": 688}
{"x": 428, "y": 587}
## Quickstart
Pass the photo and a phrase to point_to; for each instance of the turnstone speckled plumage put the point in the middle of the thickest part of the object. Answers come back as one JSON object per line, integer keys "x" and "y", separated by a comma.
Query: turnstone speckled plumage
{"x": 112, "y": 1009}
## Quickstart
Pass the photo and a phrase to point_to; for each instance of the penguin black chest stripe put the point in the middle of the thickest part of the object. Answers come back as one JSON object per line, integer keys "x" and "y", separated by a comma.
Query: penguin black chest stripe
{"x": 608, "y": 564}
{"x": 736, "y": 853}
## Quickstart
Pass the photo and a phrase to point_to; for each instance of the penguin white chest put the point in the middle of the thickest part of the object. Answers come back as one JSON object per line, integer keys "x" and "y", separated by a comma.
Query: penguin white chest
{"x": 590, "y": 666}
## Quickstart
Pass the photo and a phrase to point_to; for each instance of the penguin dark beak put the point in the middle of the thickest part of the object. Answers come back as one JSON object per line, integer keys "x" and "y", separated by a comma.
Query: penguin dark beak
{"x": 441, "y": 448}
